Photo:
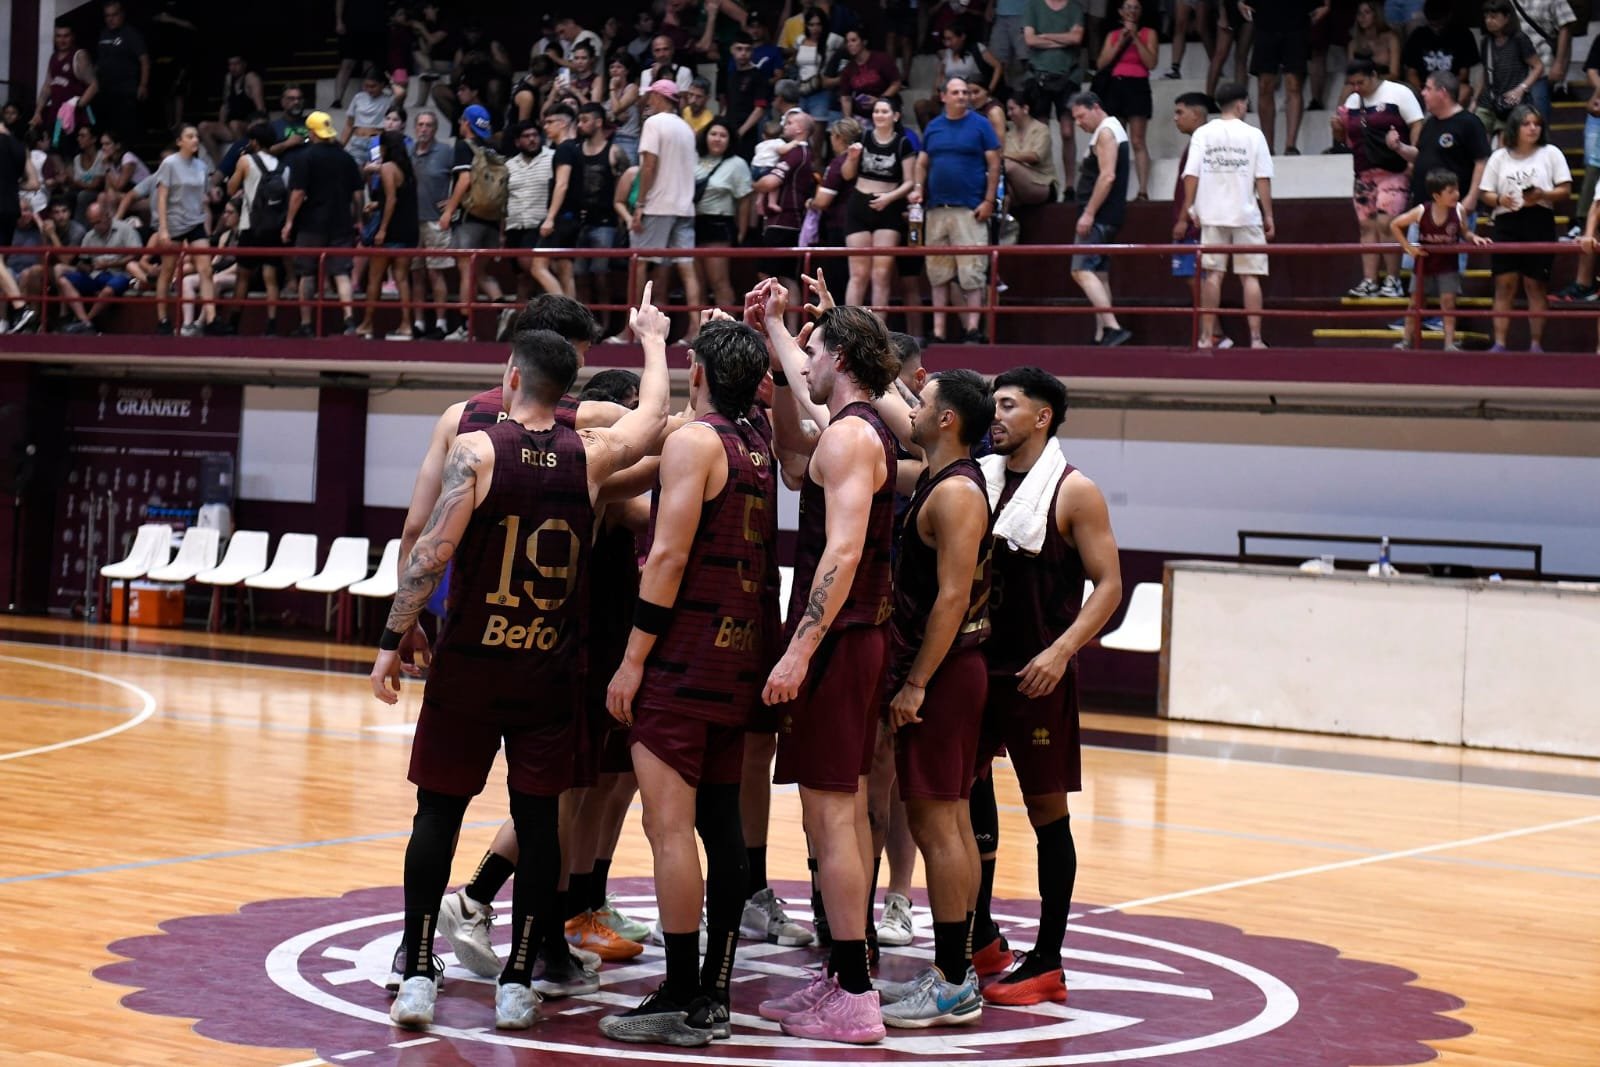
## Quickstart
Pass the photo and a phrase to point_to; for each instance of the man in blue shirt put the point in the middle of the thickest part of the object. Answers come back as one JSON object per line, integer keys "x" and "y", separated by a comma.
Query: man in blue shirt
{"x": 957, "y": 173}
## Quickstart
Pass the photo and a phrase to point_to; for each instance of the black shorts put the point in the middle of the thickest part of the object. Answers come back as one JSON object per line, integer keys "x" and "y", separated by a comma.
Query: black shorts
{"x": 715, "y": 230}
{"x": 563, "y": 233}
{"x": 369, "y": 45}
{"x": 859, "y": 216}
{"x": 524, "y": 238}
{"x": 1053, "y": 92}
{"x": 1280, "y": 50}
{"x": 779, "y": 266}
{"x": 1129, "y": 98}
{"x": 336, "y": 264}
{"x": 1529, "y": 224}
{"x": 198, "y": 233}
{"x": 260, "y": 239}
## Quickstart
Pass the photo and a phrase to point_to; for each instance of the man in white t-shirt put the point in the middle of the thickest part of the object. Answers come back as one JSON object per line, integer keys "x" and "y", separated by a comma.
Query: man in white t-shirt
{"x": 569, "y": 33}
{"x": 665, "y": 218}
{"x": 1227, "y": 189}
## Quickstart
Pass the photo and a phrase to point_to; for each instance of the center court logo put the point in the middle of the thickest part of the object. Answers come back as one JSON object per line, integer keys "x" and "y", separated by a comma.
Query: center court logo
{"x": 308, "y": 973}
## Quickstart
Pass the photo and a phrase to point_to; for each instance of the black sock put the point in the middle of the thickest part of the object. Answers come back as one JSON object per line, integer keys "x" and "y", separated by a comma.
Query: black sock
{"x": 597, "y": 884}
{"x": 717, "y": 970}
{"x": 984, "y": 930}
{"x": 949, "y": 939}
{"x": 427, "y": 874}
{"x": 847, "y": 961}
{"x": 683, "y": 961}
{"x": 727, "y": 877}
{"x": 966, "y": 953}
{"x": 1058, "y": 869}
{"x": 535, "y": 921}
{"x": 577, "y": 895}
{"x": 494, "y": 870}
{"x": 757, "y": 858}
{"x": 872, "y": 900}
{"x": 816, "y": 889}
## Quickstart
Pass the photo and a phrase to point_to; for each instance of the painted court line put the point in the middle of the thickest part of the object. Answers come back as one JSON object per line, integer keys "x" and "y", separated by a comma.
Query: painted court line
{"x": 140, "y": 715}
{"x": 1362, "y": 861}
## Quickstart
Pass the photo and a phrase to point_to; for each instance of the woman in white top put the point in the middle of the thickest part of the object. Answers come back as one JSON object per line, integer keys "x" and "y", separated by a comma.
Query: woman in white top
{"x": 363, "y": 120}
{"x": 811, "y": 57}
{"x": 180, "y": 218}
{"x": 880, "y": 165}
{"x": 722, "y": 206}
{"x": 253, "y": 164}
{"x": 1521, "y": 184}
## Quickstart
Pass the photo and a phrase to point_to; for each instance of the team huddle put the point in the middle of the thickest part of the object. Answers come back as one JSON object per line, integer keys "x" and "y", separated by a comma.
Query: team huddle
{"x": 936, "y": 611}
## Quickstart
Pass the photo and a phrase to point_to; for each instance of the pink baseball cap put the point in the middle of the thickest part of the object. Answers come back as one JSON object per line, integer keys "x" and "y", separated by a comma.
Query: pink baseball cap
{"x": 664, "y": 87}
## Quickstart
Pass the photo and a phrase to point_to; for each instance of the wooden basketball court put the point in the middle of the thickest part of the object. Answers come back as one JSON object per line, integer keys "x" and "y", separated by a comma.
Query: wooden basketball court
{"x": 158, "y": 776}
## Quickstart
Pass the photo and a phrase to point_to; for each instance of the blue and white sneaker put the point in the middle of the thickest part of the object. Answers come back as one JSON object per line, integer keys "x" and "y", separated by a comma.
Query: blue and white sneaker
{"x": 935, "y": 1002}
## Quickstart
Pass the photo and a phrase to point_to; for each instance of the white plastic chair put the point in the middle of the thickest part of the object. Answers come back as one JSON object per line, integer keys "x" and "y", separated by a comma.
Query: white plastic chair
{"x": 386, "y": 579}
{"x": 246, "y": 557}
{"x": 295, "y": 560}
{"x": 197, "y": 553}
{"x": 1141, "y": 626}
{"x": 152, "y": 547}
{"x": 346, "y": 564}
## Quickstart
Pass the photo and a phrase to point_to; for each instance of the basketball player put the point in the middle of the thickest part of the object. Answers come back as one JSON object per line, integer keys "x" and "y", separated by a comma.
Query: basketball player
{"x": 1051, "y": 531}
{"x": 939, "y": 679}
{"x": 832, "y": 667}
{"x": 691, "y": 674}
{"x": 516, "y": 513}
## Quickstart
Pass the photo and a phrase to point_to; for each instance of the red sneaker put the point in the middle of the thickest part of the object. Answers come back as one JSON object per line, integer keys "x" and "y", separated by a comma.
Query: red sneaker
{"x": 1050, "y": 985}
{"x": 993, "y": 958}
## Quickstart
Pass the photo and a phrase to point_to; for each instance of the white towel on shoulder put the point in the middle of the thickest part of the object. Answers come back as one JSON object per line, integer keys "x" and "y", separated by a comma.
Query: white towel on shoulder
{"x": 1027, "y": 515}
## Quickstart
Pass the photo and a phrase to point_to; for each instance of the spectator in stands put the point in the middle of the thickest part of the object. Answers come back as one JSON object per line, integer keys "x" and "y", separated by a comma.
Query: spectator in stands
{"x": 222, "y": 273}
{"x": 1183, "y": 11}
{"x": 104, "y": 275}
{"x": 696, "y": 110}
{"x": 364, "y": 120}
{"x": 254, "y": 231}
{"x": 1583, "y": 286}
{"x": 723, "y": 192}
{"x": 69, "y": 75}
{"x": 529, "y": 95}
{"x": 812, "y": 53}
{"x": 1232, "y": 27}
{"x": 622, "y": 104}
{"x": 124, "y": 169}
{"x": 17, "y": 175}
{"x": 572, "y": 37}
{"x": 784, "y": 191}
{"x": 1008, "y": 50}
{"x": 1376, "y": 108}
{"x": 483, "y": 63}
{"x": 1130, "y": 54}
{"x": 1227, "y": 191}
{"x": 433, "y": 51}
{"x": 982, "y": 103}
{"x": 746, "y": 95}
{"x": 1054, "y": 32}
{"x": 289, "y": 132}
{"x": 962, "y": 57}
{"x": 832, "y": 201}
{"x": 361, "y": 26}
{"x": 1403, "y": 15}
{"x": 865, "y": 73}
{"x": 180, "y": 219}
{"x": 471, "y": 225}
{"x": 1103, "y": 194}
{"x": 122, "y": 67}
{"x": 766, "y": 55}
{"x": 397, "y": 229}
{"x": 1548, "y": 24}
{"x": 665, "y": 219}
{"x": 431, "y": 163}
{"x": 875, "y": 216}
{"x": 1521, "y": 184}
{"x": 1452, "y": 139}
{"x": 87, "y": 177}
{"x": 22, "y": 272}
{"x": 1511, "y": 66}
{"x": 958, "y": 172}
{"x": 1437, "y": 221}
{"x": 242, "y": 96}
{"x": 1190, "y": 111}
{"x": 1329, "y": 33}
{"x": 1441, "y": 45}
{"x": 527, "y": 200}
{"x": 1373, "y": 38}
{"x": 1025, "y": 155}
{"x": 644, "y": 32}
{"x": 1282, "y": 29}
{"x": 665, "y": 66}
{"x": 593, "y": 189}
{"x": 324, "y": 185}
{"x": 579, "y": 82}
{"x": 1587, "y": 241}
{"x": 561, "y": 222}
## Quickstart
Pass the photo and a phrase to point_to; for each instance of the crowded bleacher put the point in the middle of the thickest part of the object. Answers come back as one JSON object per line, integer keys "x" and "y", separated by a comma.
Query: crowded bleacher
{"x": 176, "y": 170}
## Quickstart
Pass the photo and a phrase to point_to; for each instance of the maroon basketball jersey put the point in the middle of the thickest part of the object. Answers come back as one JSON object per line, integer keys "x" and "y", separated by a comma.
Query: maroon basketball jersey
{"x": 711, "y": 661}
{"x": 867, "y": 602}
{"x": 64, "y": 83}
{"x": 520, "y": 587}
{"x": 489, "y": 407}
{"x": 1439, "y": 234}
{"x": 1035, "y": 598}
{"x": 916, "y": 578}
{"x": 613, "y": 592}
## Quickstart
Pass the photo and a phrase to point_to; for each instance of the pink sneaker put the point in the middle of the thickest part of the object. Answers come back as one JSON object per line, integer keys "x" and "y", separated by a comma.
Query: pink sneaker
{"x": 854, "y": 1018}
{"x": 801, "y": 1000}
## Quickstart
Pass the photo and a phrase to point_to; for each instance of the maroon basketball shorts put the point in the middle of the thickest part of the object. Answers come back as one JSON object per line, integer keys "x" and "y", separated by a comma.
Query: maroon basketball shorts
{"x": 454, "y": 749}
{"x": 1040, "y": 736}
{"x": 702, "y": 752}
{"x": 828, "y": 733}
{"x": 934, "y": 758}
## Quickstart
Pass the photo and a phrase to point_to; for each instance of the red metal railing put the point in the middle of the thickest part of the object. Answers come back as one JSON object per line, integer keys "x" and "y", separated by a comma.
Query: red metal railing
{"x": 53, "y": 258}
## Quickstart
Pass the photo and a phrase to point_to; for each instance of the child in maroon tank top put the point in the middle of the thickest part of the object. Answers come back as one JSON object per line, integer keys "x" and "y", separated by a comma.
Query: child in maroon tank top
{"x": 1440, "y": 224}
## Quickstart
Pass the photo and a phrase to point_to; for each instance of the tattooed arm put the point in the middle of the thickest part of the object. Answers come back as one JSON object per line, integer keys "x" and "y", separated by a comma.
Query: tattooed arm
{"x": 467, "y": 472}
{"x": 848, "y": 464}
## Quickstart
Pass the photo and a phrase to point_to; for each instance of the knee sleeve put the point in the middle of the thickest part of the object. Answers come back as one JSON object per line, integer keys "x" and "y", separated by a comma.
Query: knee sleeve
{"x": 716, "y": 818}
{"x": 985, "y": 815}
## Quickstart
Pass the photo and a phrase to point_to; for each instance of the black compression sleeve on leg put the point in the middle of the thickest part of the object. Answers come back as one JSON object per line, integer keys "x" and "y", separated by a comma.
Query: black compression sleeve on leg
{"x": 985, "y": 815}
{"x": 427, "y": 873}
{"x": 535, "y": 920}
{"x": 1058, "y": 870}
{"x": 727, "y": 878}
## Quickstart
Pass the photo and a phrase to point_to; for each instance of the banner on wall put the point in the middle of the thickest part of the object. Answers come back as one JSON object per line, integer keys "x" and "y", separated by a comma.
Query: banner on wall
{"x": 136, "y": 452}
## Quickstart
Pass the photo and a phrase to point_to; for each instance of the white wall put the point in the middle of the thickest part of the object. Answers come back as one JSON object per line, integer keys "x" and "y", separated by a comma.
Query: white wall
{"x": 278, "y": 445}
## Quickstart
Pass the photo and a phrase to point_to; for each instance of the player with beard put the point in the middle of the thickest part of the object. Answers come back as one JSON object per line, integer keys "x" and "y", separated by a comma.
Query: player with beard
{"x": 516, "y": 513}
{"x": 691, "y": 675}
{"x": 1051, "y": 531}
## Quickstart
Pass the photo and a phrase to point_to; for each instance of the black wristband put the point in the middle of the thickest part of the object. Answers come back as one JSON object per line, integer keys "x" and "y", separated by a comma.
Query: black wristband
{"x": 390, "y": 640}
{"x": 651, "y": 618}
{"x": 780, "y": 378}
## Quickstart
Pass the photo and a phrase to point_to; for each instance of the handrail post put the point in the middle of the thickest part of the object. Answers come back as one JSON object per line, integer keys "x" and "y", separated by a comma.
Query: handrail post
{"x": 992, "y": 312}
{"x": 316, "y": 298}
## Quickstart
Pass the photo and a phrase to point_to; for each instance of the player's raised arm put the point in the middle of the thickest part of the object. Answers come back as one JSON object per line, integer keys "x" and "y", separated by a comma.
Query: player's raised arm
{"x": 637, "y": 433}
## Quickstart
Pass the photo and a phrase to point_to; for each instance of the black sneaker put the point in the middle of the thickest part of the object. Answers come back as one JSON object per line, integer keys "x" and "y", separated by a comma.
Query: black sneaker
{"x": 711, "y": 1012}
{"x": 217, "y": 328}
{"x": 163, "y": 328}
{"x": 975, "y": 337}
{"x": 660, "y": 1020}
{"x": 26, "y": 318}
{"x": 434, "y": 333}
{"x": 305, "y": 329}
{"x": 1114, "y": 338}
{"x": 270, "y": 329}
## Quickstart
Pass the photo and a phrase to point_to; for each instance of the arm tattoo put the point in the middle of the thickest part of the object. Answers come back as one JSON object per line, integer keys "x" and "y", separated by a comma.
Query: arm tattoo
{"x": 432, "y": 553}
{"x": 816, "y": 605}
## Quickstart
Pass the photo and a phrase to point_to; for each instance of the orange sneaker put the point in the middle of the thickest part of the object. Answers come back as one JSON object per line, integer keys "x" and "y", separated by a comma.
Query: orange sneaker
{"x": 1050, "y": 985}
{"x": 993, "y": 958}
{"x": 589, "y": 933}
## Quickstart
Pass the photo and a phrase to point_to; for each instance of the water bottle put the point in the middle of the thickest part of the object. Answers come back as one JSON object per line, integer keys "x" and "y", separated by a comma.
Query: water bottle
{"x": 914, "y": 225}
{"x": 997, "y": 220}
{"x": 1385, "y": 568}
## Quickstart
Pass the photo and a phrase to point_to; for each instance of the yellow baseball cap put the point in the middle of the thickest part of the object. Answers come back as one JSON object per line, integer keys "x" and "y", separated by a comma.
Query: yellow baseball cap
{"x": 320, "y": 123}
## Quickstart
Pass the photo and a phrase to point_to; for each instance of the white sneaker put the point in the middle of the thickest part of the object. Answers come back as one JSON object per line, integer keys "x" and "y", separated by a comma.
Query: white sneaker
{"x": 765, "y": 920}
{"x": 516, "y": 1007}
{"x": 1391, "y": 288}
{"x": 460, "y": 333}
{"x": 466, "y": 925}
{"x": 589, "y": 960}
{"x": 895, "y": 929}
{"x": 398, "y": 335}
{"x": 413, "y": 1007}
